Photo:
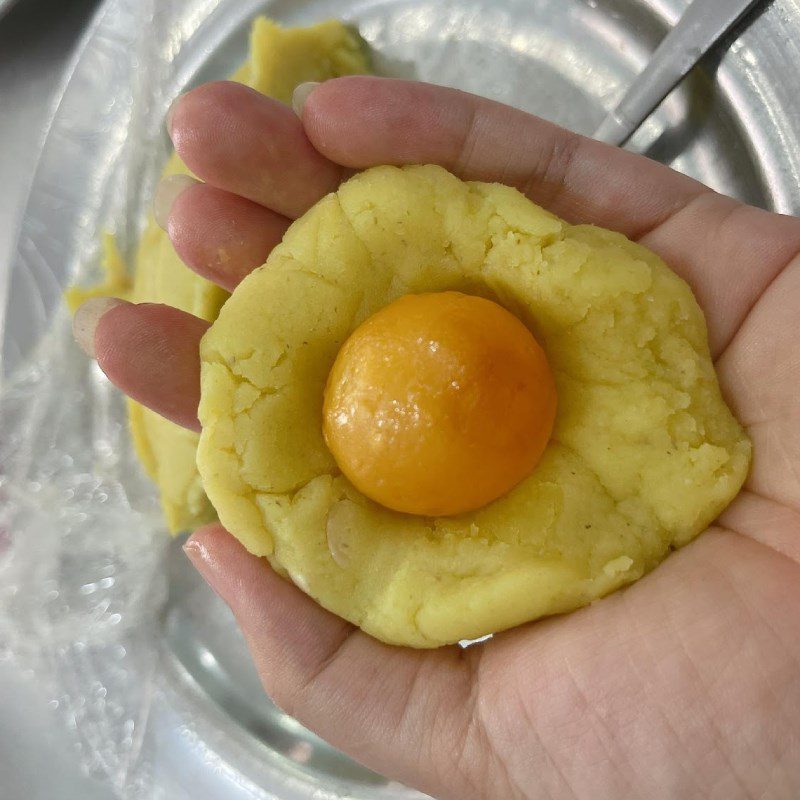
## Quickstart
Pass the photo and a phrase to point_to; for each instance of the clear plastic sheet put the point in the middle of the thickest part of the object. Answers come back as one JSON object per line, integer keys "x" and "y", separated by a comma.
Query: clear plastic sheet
{"x": 91, "y": 598}
{"x": 81, "y": 566}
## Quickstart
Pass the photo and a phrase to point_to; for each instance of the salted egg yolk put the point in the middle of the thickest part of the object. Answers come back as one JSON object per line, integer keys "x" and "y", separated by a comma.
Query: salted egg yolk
{"x": 438, "y": 404}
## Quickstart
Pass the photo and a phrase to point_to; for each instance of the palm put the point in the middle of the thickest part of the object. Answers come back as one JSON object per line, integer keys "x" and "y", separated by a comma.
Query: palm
{"x": 704, "y": 650}
{"x": 684, "y": 685}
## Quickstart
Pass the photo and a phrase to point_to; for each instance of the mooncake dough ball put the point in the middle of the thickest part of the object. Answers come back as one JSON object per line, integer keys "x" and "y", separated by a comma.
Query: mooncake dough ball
{"x": 644, "y": 454}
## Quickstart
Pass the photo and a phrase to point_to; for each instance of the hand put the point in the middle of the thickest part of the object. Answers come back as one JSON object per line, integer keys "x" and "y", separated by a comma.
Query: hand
{"x": 685, "y": 685}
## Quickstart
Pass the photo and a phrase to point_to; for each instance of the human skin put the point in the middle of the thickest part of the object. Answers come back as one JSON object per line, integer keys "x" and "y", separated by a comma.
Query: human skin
{"x": 685, "y": 685}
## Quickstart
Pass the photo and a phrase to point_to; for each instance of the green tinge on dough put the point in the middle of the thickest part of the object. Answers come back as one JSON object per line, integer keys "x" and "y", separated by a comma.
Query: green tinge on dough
{"x": 645, "y": 453}
{"x": 280, "y": 59}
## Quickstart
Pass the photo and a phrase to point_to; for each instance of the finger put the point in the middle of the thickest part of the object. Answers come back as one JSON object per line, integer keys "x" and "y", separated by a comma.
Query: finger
{"x": 378, "y": 703}
{"x": 727, "y": 252}
{"x": 149, "y": 351}
{"x": 219, "y": 235}
{"x": 250, "y": 145}
{"x": 361, "y": 122}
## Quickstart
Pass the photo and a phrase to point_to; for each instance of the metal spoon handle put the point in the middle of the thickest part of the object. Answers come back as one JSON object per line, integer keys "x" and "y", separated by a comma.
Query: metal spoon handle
{"x": 703, "y": 23}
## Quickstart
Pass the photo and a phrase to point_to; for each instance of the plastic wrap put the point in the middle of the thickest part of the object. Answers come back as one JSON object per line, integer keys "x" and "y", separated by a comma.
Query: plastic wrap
{"x": 81, "y": 567}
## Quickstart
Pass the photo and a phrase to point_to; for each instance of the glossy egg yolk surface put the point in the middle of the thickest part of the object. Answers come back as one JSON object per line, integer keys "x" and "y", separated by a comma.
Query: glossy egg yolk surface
{"x": 438, "y": 404}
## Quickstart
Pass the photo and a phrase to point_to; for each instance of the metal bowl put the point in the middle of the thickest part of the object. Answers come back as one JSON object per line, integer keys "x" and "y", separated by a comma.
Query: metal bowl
{"x": 733, "y": 124}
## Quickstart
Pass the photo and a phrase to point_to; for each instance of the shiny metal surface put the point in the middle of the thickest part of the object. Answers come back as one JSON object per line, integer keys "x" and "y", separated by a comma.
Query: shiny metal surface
{"x": 734, "y": 123}
{"x": 699, "y": 29}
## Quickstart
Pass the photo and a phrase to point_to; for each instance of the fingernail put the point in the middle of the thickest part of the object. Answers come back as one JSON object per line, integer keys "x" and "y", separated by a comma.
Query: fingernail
{"x": 301, "y": 94}
{"x": 201, "y": 560}
{"x": 87, "y": 318}
{"x": 167, "y": 192}
{"x": 173, "y": 106}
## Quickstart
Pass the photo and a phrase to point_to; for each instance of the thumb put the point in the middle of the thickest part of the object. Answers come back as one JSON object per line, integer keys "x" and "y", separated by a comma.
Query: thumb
{"x": 404, "y": 713}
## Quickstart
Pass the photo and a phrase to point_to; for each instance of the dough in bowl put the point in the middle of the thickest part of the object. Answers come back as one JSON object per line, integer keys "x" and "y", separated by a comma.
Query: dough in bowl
{"x": 280, "y": 59}
{"x": 643, "y": 456}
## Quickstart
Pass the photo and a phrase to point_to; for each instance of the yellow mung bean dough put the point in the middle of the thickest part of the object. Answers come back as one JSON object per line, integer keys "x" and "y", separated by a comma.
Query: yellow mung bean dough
{"x": 643, "y": 456}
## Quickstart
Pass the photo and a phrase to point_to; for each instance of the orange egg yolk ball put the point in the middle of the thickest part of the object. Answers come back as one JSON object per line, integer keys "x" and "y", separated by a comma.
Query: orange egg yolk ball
{"x": 439, "y": 404}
